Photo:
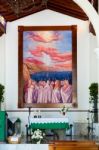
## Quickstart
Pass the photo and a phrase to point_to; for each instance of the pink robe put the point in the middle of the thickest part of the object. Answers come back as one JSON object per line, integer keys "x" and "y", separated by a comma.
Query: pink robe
{"x": 35, "y": 94}
{"x": 66, "y": 94}
{"x": 47, "y": 94}
{"x": 28, "y": 94}
{"x": 56, "y": 96}
{"x": 40, "y": 94}
{"x": 44, "y": 94}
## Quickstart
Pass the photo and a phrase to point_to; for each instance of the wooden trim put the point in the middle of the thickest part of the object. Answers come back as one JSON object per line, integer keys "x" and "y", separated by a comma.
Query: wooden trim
{"x": 21, "y": 110}
{"x": 74, "y": 65}
{"x": 45, "y": 28}
{"x": 20, "y": 68}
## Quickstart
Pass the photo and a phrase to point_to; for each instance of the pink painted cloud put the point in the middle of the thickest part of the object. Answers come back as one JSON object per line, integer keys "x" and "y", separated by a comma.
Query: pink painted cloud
{"x": 45, "y": 36}
{"x": 50, "y": 59}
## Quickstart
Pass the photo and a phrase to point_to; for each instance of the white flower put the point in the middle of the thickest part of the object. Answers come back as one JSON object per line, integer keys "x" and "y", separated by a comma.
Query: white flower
{"x": 64, "y": 109}
{"x": 37, "y": 135}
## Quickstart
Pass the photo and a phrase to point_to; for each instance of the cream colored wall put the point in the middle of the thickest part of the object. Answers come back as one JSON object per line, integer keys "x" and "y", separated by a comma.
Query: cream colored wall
{"x": 50, "y": 18}
{"x": 2, "y": 59}
{"x": 2, "y": 64}
{"x": 94, "y": 19}
{"x": 93, "y": 59}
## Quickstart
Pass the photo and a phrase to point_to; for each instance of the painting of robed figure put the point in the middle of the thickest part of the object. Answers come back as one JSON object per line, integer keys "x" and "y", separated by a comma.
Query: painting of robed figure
{"x": 47, "y": 66}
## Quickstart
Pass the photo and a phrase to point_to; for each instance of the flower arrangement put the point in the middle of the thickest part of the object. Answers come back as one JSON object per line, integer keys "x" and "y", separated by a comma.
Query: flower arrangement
{"x": 37, "y": 136}
{"x": 64, "y": 109}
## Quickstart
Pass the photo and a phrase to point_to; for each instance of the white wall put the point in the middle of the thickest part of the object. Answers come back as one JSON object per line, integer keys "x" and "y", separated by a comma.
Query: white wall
{"x": 50, "y": 18}
{"x": 2, "y": 59}
{"x": 2, "y": 63}
{"x": 93, "y": 60}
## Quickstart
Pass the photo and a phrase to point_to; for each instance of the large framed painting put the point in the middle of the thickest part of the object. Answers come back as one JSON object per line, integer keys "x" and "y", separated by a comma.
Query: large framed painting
{"x": 47, "y": 66}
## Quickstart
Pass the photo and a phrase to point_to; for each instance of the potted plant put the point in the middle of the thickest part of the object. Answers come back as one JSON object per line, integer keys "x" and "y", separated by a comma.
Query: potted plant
{"x": 93, "y": 91}
{"x": 1, "y": 94}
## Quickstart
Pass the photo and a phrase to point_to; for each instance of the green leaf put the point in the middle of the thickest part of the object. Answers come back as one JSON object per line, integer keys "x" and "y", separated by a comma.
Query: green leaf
{"x": 1, "y": 93}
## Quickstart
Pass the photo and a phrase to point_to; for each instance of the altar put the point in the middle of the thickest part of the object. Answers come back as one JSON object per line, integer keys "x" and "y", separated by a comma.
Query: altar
{"x": 57, "y": 126}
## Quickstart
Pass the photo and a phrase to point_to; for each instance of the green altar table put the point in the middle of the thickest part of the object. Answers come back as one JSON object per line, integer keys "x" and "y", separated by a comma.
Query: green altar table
{"x": 55, "y": 124}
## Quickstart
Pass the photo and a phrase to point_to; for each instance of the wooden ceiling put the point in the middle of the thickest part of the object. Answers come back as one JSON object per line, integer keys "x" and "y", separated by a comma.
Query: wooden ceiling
{"x": 67, "y": 7}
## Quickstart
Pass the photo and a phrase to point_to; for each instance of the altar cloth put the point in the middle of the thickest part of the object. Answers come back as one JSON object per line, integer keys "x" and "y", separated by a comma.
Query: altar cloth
{"x": 49, "y": 123}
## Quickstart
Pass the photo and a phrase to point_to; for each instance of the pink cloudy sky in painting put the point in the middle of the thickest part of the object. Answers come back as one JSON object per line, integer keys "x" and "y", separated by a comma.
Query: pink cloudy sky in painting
{"x": 45, "y": 37}
{"x": 50, "y": 58}
{"x": 48, "y": 51}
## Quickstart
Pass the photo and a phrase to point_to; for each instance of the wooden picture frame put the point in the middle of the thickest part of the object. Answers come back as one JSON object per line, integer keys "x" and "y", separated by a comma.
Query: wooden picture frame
{"x": 47, "y": 57}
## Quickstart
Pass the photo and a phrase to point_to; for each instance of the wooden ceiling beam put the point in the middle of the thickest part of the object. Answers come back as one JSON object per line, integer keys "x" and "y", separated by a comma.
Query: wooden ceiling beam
{"x": 24, "y": 14}
{"x": 64, "y": 6}
{"x": 65, "y": 9}
{"x": 1, "y": 33}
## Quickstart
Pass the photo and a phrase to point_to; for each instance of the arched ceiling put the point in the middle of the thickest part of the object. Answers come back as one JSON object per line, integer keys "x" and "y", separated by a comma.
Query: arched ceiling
{"x": 27, "y": 7}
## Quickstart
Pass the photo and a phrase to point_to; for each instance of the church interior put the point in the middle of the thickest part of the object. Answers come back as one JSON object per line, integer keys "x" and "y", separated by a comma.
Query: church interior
{"x": 49, "y": 74}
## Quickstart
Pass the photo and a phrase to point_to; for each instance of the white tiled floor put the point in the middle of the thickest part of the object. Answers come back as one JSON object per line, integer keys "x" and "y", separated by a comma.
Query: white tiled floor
{"x": 24, "y": 147}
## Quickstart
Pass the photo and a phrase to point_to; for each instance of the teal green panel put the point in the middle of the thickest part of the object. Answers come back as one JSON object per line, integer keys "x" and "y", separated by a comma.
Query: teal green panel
{"x": 2, "y": 125}
{"x": 49, "y": 126}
